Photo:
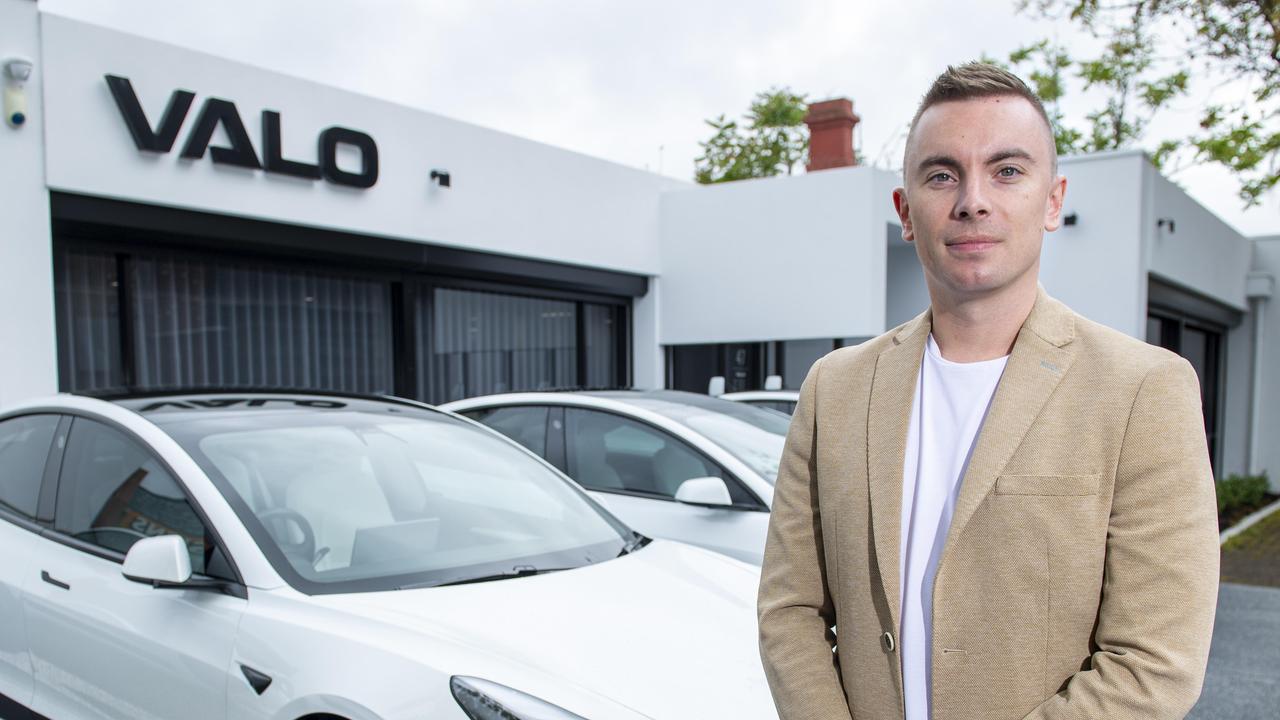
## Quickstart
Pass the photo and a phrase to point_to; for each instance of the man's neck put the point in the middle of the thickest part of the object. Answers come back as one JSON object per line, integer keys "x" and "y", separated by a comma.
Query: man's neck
{"x": 981, "y": 328}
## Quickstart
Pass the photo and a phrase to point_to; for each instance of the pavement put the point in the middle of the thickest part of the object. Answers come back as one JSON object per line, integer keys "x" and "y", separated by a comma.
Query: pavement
{"x": 1243, "y": 679}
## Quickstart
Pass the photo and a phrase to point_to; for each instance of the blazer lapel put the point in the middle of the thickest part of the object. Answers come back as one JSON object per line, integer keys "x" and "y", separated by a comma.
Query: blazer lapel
{"x": 893, "y": 390}
{"x": 1041, "y": 356}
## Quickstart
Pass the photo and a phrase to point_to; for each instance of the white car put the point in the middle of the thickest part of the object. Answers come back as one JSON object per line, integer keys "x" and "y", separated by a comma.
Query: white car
{"x": 304, "y": 556}
{"x": 784, "y": 401}
{"x": 671, "y": 464}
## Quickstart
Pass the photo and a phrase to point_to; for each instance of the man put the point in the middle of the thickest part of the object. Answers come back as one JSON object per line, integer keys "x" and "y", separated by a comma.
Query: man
{"x": 999, "y": 509}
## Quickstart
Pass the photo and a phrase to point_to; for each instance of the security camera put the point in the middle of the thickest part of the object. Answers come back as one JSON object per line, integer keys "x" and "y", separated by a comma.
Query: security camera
{"x": 441, "y": 178}
{"x": 18, "y": 71}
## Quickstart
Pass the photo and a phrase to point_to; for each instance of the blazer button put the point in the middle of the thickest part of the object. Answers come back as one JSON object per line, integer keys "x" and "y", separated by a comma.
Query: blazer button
{"x": 887, "y": 642}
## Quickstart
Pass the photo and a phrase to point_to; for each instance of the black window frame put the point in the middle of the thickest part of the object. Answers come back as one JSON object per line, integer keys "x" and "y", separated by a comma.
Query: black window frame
{"x": 408, "y": 268}
{"x": 232, "y": 586}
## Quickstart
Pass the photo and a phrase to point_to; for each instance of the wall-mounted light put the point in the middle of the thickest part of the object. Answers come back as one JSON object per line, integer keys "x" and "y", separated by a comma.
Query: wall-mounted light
{"x": 1166, "y": 222}
{"x": 440, "y": 177}
{"x": 16, "y": 71}
{"x": 1070, "y": 219}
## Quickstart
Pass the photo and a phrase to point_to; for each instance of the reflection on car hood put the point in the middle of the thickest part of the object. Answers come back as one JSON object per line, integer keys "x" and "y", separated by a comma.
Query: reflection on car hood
{"x": 668, "y": 631}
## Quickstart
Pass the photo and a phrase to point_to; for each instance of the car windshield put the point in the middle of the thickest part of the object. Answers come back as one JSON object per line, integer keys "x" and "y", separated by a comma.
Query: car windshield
{"x": 753, "y": 435}
{"x": 345, "y": 500}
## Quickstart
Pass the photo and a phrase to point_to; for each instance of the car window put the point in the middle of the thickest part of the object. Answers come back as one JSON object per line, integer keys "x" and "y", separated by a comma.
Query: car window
{"x": 113, "y": 493}
{"x": 782, "y": 406}
{"x": 375, "y": 499}
{"x": 526, "y": 424}
{"x": 606, "y": 451}
{"x": 24, "y": 448}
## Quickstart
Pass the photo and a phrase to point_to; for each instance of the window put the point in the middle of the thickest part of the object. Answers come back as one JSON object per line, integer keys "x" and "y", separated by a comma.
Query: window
{"x": 525, "y": 424}
{"x": 1201, "y": 343}
{"x": 783, "y": 406}
{"x": 609, "y": 452}
{"x": 113, "y": 493}
{"x": 24, "y": 448}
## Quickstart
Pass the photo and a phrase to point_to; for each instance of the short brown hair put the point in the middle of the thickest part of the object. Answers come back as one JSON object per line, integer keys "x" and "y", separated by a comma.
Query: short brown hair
{"x": 976, "y": 80}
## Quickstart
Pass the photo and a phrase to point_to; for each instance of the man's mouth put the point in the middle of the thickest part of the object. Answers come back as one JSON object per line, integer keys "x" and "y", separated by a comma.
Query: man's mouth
{"x": 972, "y": 243}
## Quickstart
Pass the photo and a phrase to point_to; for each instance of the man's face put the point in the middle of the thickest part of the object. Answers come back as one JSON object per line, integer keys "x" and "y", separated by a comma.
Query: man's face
{"x": 979, "y": 193}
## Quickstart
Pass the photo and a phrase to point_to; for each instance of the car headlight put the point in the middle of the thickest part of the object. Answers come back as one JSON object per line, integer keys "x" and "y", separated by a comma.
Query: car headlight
{"x": 486, "y": 700}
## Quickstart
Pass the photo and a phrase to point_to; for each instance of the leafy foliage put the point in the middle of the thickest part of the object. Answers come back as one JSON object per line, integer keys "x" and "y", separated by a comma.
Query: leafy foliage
{"x": 1241, "y": 491}
{"x": 1150, "y": 48}
{"x": 772, "y": 142}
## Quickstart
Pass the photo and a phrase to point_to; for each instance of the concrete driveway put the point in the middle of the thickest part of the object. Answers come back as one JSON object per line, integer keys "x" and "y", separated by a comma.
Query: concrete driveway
{"x": 1243, "y": 680}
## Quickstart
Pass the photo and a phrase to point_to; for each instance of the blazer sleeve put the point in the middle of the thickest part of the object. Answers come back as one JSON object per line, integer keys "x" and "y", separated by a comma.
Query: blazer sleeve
{"x": 1160, "y": 586}
{"x": 795, "y": 607}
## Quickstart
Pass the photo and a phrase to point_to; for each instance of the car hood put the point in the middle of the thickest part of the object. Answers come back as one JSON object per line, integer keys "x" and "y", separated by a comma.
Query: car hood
{"x": 668, "y": 631}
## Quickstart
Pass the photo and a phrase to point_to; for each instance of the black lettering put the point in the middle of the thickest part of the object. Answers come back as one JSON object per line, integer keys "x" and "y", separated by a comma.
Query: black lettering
{"x": 214, "y": 112}
{"x": 330, "y": 139}
{"x": 218, "y": 403}
{"x": 272, "y": 153}
{"x": 161, "y": 139}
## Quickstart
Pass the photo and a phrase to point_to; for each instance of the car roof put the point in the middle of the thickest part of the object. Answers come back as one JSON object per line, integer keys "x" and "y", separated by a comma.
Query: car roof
{"x": 170, "y": 406}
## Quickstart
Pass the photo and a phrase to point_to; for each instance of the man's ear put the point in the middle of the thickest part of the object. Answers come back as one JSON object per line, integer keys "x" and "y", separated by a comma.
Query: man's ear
{"x": 904, "y": 213}
{"x": 1053, "y": 208}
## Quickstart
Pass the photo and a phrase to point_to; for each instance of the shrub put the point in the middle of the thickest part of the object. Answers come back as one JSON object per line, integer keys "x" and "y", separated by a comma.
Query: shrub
{"x": 1241, "y": 491}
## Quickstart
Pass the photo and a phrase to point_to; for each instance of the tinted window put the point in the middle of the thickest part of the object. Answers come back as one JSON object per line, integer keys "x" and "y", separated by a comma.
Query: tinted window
{"x": 113, "y": 493}
{"x": 782, "y": 406}
{"x": 24, "y": 447}
{"x": 525, "y": 424}
{"x": 611, "y": 452}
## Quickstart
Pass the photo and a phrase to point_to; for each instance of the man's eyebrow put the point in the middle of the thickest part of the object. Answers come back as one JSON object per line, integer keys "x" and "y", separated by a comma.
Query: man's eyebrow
{"x": 940, "y": 160}
{"x": 1018, "y": 153}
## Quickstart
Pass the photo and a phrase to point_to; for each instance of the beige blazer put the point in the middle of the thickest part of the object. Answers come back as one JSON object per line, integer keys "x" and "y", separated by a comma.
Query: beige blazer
{"x": 1079, "y": 576}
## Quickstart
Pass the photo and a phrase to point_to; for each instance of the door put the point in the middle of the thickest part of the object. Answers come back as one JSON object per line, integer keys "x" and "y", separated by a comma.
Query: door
{"x": 25, "y": 442}
{"x": 106, "y": 647}
{"x": 634, "y": 469}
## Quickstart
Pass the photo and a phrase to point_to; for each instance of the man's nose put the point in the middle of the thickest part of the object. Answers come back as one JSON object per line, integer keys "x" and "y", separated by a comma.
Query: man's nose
{"x": 973, "y": 201}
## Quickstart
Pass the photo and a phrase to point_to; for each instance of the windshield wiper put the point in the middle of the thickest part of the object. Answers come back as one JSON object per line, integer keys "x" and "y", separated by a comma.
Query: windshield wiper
{"x": 637, "y": 542}
{"x": 515, "y": 572}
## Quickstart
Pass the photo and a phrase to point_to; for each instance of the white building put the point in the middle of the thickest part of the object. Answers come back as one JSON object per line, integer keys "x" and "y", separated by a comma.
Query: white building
{"x": 174, "y": 219}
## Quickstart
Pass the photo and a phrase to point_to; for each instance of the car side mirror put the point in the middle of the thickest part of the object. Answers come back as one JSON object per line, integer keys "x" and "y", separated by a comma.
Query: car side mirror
{"x": 158, "y": 561}
{"x": 704, "y": 491}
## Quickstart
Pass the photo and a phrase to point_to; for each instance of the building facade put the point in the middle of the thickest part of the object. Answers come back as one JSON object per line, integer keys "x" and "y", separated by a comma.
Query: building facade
{"x": 177, "y": 220}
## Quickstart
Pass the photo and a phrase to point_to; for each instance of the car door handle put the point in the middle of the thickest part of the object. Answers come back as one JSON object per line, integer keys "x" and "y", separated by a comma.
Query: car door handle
{"x": 45, "y": 576}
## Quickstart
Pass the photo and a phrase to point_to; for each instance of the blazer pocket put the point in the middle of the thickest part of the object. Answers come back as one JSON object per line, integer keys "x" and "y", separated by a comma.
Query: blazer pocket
{"x": 1060, "y": 485}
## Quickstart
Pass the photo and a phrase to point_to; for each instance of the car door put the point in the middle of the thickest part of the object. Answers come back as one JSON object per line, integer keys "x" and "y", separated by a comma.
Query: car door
{"x": 25, "y": 443}
{"x": 106, "y": 647}
{"x": 634, "y": 469}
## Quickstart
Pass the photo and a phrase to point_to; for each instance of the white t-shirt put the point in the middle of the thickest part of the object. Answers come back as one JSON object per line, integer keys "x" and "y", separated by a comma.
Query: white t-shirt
{"x": 950, "y": 404}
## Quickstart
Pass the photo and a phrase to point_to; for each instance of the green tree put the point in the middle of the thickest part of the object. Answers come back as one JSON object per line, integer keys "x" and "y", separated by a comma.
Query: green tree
{"x": 1150, "y": 48}
{"x": 772, "y": 142}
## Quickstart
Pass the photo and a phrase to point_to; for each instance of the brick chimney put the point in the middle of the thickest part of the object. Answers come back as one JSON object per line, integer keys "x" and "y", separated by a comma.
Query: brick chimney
{"x": 831, "y": 134}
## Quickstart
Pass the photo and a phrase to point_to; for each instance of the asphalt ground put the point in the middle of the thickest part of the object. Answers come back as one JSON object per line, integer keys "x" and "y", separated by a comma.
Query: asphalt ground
{"x": 1243, "y": 678}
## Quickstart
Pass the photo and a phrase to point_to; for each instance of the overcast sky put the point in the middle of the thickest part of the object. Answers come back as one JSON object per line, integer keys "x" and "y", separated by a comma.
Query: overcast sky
{"x": 630, "y": 82}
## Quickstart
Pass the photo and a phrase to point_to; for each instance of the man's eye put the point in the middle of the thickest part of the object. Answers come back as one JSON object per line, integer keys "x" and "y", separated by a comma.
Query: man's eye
{"x": 940, "y": 177}
{"x": 1009, "y": 172}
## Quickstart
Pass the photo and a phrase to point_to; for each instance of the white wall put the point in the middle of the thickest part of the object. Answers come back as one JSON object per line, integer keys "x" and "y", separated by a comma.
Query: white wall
{"x": 1201, "y": 252}
{"x": 1266, "y": 258}
{"x": 1095, "y": 266}
{"x": 773, "y": 259}
{"x": 648, "y": 360}
{"x": 509, "y": 195}
{"x": 28, "y": 361}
